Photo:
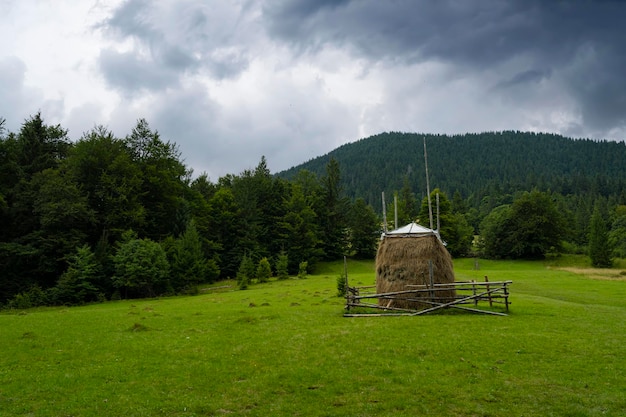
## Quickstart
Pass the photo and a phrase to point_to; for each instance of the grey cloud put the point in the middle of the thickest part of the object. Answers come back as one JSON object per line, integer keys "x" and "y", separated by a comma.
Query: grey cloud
{"x": 128, "y": 72}
{"x": 600, "y": 87}
{"x": 180, "y": 38}
{"x": 18, "y": 101}
{"x": 522, "y": 40}
{"x": 471, "y": 32}
{"x": 524, "y": 77}
{"x": 131, "y": 19}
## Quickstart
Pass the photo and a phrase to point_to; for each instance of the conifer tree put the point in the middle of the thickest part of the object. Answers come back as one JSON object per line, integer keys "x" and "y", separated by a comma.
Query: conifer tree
{"x": 599, "y": 250}
{"x": 264, "y": 270}
{"x": 282, "y": 266}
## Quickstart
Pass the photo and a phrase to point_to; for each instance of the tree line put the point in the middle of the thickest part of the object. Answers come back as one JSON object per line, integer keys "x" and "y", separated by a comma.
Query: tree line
{"x": 105, "y": 217}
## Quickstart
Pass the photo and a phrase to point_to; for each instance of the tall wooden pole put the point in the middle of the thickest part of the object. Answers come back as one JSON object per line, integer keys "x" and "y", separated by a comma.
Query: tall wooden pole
{"x": 438, "y": 224}
{"x": 430, "y": 206}
{"x": 395, "y": 212}
{"x": 384, "y": 214}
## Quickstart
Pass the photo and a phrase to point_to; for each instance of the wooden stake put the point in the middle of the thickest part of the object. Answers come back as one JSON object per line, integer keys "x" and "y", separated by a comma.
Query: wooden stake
{"x": 395, "y": 211}
{"x": 430, "y": 206}
{"x": 490, "y": 302}
{"x": 431, "y": 277}
{"x": 384, "y": 214}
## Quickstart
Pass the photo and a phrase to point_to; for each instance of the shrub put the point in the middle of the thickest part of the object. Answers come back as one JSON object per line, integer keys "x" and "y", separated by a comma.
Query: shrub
{"x": 303, "y": 269}
{"x": 34, "y": 297}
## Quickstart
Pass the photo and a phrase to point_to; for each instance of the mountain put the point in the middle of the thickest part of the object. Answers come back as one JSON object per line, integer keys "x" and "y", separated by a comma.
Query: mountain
{"x": 476, "y": 164}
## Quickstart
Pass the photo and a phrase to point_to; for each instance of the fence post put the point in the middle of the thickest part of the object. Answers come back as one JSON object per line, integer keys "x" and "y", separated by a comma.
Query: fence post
{"x": 488, "y": 293}
{"x": 431, "y": 279}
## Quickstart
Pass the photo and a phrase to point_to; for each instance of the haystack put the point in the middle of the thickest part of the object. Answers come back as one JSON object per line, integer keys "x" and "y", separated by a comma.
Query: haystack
{"x": 403, "y": 259}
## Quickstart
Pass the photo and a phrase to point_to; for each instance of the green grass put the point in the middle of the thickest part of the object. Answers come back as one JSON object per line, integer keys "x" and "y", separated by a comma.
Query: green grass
{"x": 283, "y": 348}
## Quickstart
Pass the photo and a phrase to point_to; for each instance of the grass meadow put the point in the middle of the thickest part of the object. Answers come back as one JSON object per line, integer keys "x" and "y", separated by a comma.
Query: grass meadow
{"x": 284, "y": 349}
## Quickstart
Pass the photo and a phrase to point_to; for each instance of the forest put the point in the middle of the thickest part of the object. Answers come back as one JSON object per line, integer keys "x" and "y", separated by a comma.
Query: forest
{"x": 104, "y": 217}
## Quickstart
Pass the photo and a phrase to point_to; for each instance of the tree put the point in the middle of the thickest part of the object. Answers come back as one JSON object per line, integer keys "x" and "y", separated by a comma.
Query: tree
{"x": 264, "y": 270}
{"x": 246, "y": 272}
{"x": 334, "y": 212}
{"x": 163, "y": 179}
{"x": 495, "y": 241}
{"x": 226, "y": 228}
{"x": 64, "y": 222}
{"x": 188, "y": 263}
{"x": 407, "y": 203}
{"x": 538, "y": 226}
{"x": 455, "y": 230}
{"x": 528, "y": 228}
{"x": 282, "y": 264}
{"x": 364, "y": 230}
{"x": 41, "y": 146}
{"x": 141, "y": 268}
{"x": 599, "y": 249}
{"x": 617, "y": 235}
{"x": 111, "y": 182}
{"x": 79, "y": 283}
{"x": 303, "y": 269}
{"x": 298, "y": 230}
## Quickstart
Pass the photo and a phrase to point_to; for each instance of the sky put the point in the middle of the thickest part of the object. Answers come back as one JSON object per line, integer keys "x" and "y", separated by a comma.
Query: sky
{"x": 232, "y": 81}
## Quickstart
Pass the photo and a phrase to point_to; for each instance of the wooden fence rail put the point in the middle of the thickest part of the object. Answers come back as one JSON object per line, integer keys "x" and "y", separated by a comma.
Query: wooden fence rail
{"x": 467, "y": 293}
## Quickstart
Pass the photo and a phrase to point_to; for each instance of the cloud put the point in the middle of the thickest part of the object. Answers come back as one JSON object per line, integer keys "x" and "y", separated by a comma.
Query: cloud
{"x": 163, "y": 41}
{"x": 131, "y": 73}
{"x": 525, "y": 77}
{"x": 18, "y": 100}
{"x": 293, "y": 79}
{"x": 476, "y": 37}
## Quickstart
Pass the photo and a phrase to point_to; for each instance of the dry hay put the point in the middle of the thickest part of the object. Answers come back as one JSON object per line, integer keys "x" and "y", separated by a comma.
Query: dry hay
{"x": 403, "y": 261}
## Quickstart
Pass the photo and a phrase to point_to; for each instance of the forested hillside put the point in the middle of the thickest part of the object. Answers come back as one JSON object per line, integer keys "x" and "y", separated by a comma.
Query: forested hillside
{"x": 477, "y": 165}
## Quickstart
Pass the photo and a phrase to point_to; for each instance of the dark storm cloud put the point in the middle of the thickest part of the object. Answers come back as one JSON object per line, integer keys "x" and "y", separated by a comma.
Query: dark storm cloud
{"x": 472, "y": 32}
{"x": 525, "y": 77}
{"x": 583, "y": 44}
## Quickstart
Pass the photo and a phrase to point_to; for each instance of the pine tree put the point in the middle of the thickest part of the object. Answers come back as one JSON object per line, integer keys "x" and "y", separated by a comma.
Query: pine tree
{"x": 264, "y": 270}
{"x": 76, "y": 285}
{"x": 599, "y": 250}
{"x": 245, "y": 273}
{"x": 282, "y": 265}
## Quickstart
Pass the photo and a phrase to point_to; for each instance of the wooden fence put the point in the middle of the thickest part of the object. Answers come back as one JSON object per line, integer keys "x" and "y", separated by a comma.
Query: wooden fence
{"x": 470, "y": 296}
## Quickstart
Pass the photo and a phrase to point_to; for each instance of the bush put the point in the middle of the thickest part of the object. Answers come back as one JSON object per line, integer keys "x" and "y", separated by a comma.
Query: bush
{"x": 34, "y": 297}
{"x": 302, "y": 269}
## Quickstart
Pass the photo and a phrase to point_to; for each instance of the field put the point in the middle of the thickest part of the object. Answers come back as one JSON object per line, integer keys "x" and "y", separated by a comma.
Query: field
{"x": 284, "y": 349}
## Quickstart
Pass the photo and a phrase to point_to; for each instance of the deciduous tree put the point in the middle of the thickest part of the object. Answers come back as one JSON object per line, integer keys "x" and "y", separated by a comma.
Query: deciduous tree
{"x": 141, "y": 268}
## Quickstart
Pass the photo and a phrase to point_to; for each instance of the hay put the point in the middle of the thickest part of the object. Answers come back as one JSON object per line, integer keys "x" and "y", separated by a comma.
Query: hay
{"x": 404, "y": 260}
